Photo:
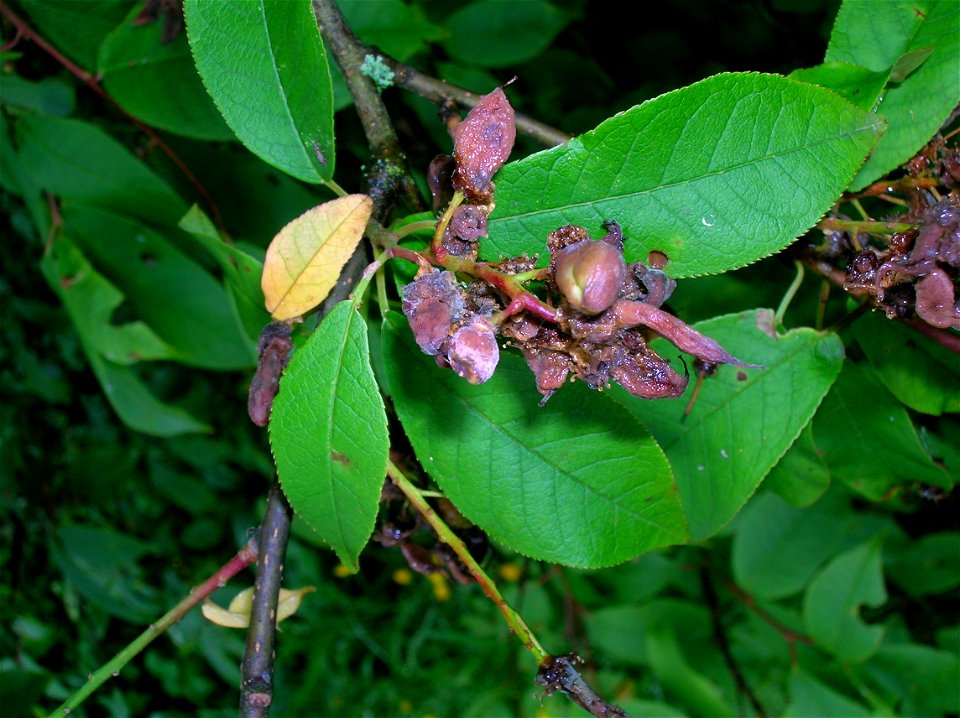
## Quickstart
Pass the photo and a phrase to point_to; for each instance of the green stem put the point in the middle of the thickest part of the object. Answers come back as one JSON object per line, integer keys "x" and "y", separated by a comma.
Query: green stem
{"x": 246, "y": 556}
{"x": 788, "y": 297}
{"x": 869, "y": 226}
{"x": 445, "y": 534}
{"x": 417, "y": 226}
{"x": 335, "y": 188}
{"x": 382, "y": 298}
{"x": 437, "y": 246}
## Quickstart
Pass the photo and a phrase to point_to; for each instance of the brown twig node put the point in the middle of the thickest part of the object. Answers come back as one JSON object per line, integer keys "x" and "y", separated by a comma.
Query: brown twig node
{"x": 558, "y": 673}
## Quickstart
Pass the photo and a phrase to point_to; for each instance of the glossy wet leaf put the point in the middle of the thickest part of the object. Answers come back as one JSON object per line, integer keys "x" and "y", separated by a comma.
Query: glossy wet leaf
{"x": 171, "y": 293}
{"x": 744, "y": 420}
{"x": 918, "y": 371}
{"x": 868, "y": 440}
{"x": 241, "y": 272}
{"x": 304, "y": 260}
{"x": 154, "y": 79}
{"x": 264, "y": 64}
{"x": 831, "y": 606}
{"x": 698, "y": 173}
{"x": 879, "y": 37}
{"x": 578, "y": 481}
{"x": 328, "y": 432}
{"x": 75, "y": 160}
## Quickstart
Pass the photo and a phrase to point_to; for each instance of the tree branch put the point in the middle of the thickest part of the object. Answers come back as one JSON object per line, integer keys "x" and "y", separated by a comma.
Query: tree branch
{"x": 256, "y": 681}
{"x": 439, "y": 91}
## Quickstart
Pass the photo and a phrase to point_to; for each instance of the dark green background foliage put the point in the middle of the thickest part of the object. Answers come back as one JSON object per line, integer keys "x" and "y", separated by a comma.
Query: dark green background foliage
{"x": 129, "y": 471}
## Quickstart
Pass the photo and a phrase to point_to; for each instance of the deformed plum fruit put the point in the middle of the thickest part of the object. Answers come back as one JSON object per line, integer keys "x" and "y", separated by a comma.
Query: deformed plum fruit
{"x": 482, "y": 143}
{"x": 590, "y": 275}
{"x": 432, "y": 303}
{"x": 473, "y": 352}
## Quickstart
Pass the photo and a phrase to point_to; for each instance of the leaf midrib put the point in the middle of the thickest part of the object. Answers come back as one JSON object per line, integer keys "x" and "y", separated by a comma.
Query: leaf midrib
{"x": 679, "y": 183}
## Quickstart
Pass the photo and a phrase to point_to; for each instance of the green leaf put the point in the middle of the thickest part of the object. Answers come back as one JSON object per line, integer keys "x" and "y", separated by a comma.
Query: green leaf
{"x": 778, "y": 547}
{"x": 241, "y": 272}
{"x": 620, "y": 632}
{"x": 264, "y": 64}
{"x": 831, "y": 606}
{"x": 177, "y": 298}
{"x": 329, "y": 436}
{"x": 133, "y": 402}
{"x": 103, "y": 565}
{"x": 74, "y": 160}
{"x": 743, "y": 421}
{"x": 49, "y": 96}
{"x": 681, "y": 682}
{"x": 929, "y": 565}
{"x": 91, "y": 301}
{"x": 867, "y": 438}
{"x": 919, "y": 679}
{"x": 577, "y": 482}
{"x": 77, "y": 27}
{"x": 701, "y": 174}
{"x": 809, "y": 698}
{"x": 856, "y": 84}
{"x": 154, "y": 79}
{"x": 394, "y": 27}
{"x": 490, "y": 33}
{"x": 881, "y": 37}
{"x": 800, "y": 476}
{"x": 918, "y": 371}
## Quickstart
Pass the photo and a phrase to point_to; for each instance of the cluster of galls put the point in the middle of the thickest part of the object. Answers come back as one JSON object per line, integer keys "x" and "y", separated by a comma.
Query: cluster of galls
{"x": 913, "y": 274}
{"x": 592, "y": 339}
{"x": 605, "y": 308}
{"x": 448, "y": 323}
{"x": 593, "y": 326}
{"x": 918, "y": 272}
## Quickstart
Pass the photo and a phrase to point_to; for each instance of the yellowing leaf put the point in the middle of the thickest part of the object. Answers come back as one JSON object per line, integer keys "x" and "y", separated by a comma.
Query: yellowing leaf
{"x": 305, "y": 259}
{"x": 237, "y": 614}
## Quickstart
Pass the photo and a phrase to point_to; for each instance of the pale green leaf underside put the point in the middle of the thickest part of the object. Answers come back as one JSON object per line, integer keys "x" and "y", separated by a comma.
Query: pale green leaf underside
{"x": 744, "y": 420}
{"x": 264, "y": 64}
{"x": 577, "y": 482}
{"x": 328, "y": 431}
{"x": 715, "y": 175}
